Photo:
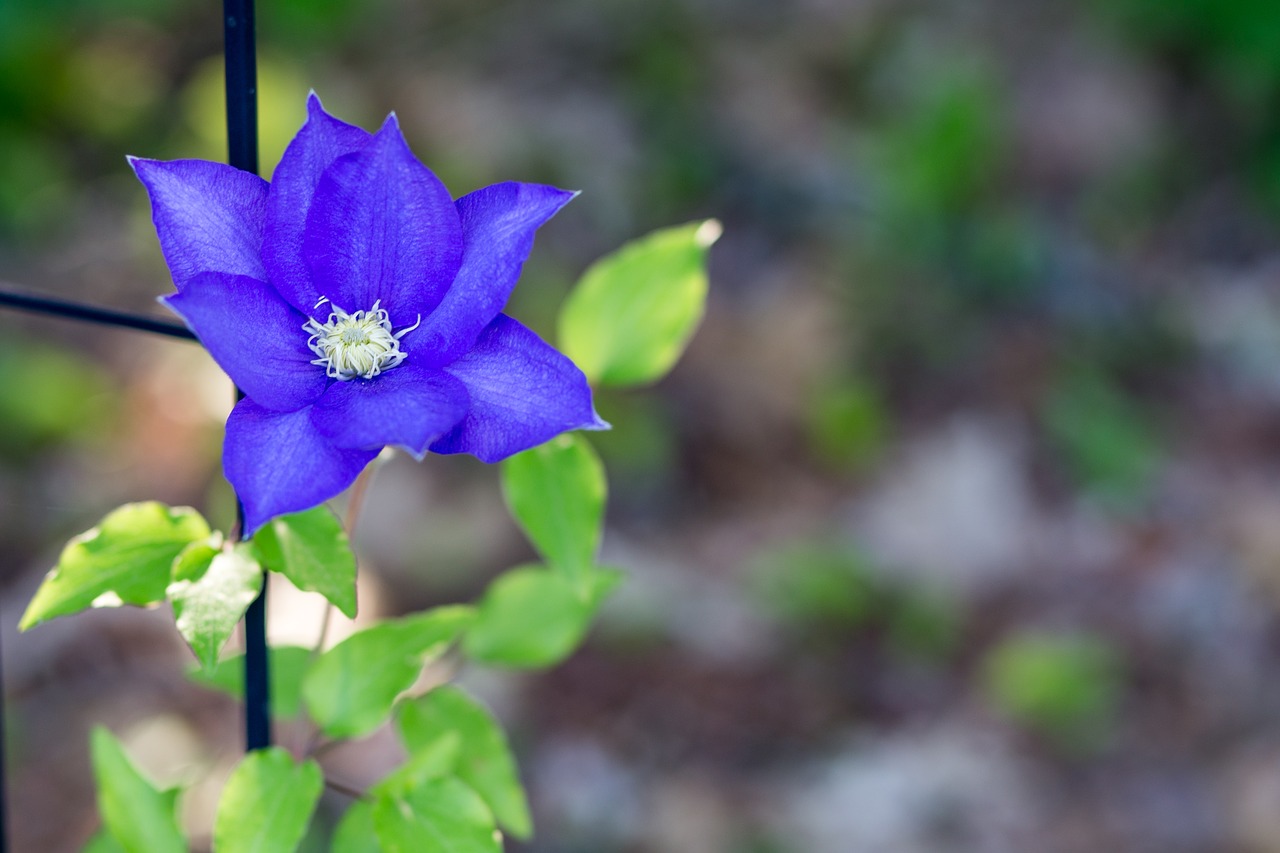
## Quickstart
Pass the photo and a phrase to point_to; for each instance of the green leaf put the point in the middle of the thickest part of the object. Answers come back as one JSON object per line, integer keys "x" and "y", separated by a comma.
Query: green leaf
{"x": 630, "y": 317}
{"x": 287, "y": 666}
{"x": 124, "y": 560}
{"x": 441, "y": 816}
{"x": 267, "y": 803}
{"x": 355, "y": 833}
{"x": 212, "y": 588}
{"x": 139, "y": 817}
{"x": 532, "y": 617}
{"x": 350, "y": 689}
{"x": 435, "y": 759}
{"x": 102, "y": 842}
{"x": 556, "y": 492}
{"x": 312, "y": 550}
{"x": 484, "y": 763}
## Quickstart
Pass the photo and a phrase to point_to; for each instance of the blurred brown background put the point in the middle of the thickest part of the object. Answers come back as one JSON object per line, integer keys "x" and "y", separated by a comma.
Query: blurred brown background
{"x": 958, "y": 528}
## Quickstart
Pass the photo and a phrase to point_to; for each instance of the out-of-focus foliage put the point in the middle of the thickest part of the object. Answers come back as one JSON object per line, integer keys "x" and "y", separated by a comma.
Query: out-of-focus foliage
{"x": 1232, "y": 49}
{"x": 484, "y": 759}
{"x": 287, "y": 667}
{"x": 49, "y": 395}
{"x": 139, "y": 817}
{"x": 532, "y": 617}
{"x": 810, "y": 586}
{"x": 351, "y": 688}
{"x": 267, "y": 803}
{"x": 1066, "y": 687}
{"x": 848, "y": 424}
{"x": 1110, "y": 443}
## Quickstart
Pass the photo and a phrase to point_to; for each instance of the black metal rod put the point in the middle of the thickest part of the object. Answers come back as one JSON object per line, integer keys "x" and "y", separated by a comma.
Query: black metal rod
{"x": 91, "y": 314}
{"x": 4, "y": 774}
{"x": 242, "y": 152}
{"x": 242, "y": 85}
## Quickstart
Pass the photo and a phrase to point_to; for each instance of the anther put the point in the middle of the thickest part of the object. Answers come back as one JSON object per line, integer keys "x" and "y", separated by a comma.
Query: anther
{"x": 359, "y": 345}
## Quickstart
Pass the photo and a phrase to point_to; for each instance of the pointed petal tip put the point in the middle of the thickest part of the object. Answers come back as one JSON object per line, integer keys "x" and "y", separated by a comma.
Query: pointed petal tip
{"x": 167, "y": 300}
{"x": 139, "y": 164}
{"x": 563, "y": 196}
{"x": 315, "y": 110}
{"x": 254, "y": 520}
{"x": 389, "y": 133}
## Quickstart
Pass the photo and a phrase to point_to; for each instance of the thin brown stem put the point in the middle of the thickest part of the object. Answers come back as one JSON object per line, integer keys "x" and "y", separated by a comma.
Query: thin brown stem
{"x": 358, "y": 492}
{"x": 347, "y": 790}
{"x": 354, "y": 506}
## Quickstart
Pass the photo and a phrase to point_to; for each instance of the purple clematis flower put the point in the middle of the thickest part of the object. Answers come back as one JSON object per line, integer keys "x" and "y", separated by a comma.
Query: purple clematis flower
{"x": 357, "y": 305}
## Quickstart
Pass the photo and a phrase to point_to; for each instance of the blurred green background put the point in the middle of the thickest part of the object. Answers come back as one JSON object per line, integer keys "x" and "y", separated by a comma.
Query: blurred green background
{"x": 958, "y": 529}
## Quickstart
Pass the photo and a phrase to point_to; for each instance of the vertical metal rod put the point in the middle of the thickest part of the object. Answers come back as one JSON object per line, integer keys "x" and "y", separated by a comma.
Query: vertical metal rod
{"x": 242, "y": 85}
{"x": 242, "y": 152}
{"x": 4, "y": 773}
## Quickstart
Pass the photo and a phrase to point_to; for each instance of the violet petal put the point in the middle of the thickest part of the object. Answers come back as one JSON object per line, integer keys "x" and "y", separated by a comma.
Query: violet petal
{"x": 321, "y": 140}
{"x": 255, "y": 336}
{"x": 498, "y": 224}
{"x": 278, "y": 462}
{"x": 409, "y": 406}
{"x": 209, "y": 216}
{"x": 523, "y": 392}
{"x": 382, "y": 228}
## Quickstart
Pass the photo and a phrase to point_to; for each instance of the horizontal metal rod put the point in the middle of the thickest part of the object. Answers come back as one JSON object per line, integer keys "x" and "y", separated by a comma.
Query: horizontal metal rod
{"x": 10, "y": 298}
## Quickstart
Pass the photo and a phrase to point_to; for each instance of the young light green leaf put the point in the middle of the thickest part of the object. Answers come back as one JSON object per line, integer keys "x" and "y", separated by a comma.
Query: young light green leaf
{"x": 124, "y": 560}
{"x": 355, "y": 833}
{"x": 440, "y": 816}
{"x": 139, "y": 817}
{"x": 288, "y": 664}
{"x": 312, "y": 550}
{"x": 350, "y": 689}
{"x": 531, "y": 617}
{"x": 631, "y": 315}
{"x": 267, "y": 803}
{"x": 212, "y": 588}
{"x": 556, "y": 493}
{"x": 484, "y": 761}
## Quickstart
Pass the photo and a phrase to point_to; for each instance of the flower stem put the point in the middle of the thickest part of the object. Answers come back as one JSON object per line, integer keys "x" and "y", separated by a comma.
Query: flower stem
{"x": 12, "y": 298}
{"x": 242, "y": 152}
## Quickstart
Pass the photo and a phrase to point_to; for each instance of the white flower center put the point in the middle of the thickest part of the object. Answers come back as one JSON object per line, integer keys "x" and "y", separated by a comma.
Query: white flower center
{"x": 358, "y": 345}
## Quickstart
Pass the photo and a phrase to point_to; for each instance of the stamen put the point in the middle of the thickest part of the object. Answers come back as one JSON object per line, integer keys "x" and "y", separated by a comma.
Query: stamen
{"x": 400, "y": 334}
{"x": 357, "y": 345}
